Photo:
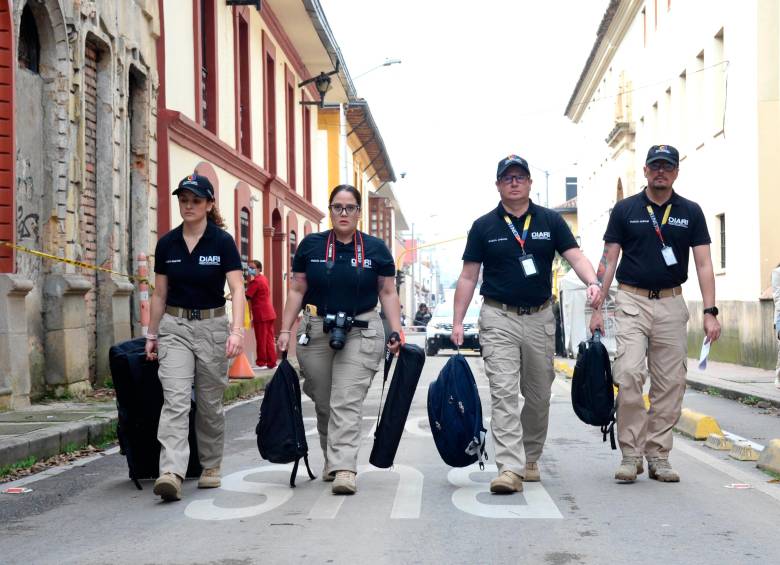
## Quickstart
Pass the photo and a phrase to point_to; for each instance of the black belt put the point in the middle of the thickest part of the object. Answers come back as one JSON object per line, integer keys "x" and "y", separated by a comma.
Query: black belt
{"x": 312, "y": 310}
{"x": 195, "y": 313}
{"x": 520, "y": 310}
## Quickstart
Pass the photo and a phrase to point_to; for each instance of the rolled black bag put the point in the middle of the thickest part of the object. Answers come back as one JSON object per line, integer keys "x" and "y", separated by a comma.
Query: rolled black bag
{"x": 392, "y": 418}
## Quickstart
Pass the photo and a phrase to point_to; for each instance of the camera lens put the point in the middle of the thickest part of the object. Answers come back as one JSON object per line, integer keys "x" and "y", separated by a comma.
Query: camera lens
{"x": 337, "y": 338}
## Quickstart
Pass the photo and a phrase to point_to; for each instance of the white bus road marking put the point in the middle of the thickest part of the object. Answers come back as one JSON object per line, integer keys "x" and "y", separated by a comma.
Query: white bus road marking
{"x": 406, "y": 505}
{"x": 539, "y": 505}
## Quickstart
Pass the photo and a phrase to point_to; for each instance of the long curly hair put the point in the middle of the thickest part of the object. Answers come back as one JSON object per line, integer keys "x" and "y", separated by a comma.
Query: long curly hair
{"x": 214, "y": 216}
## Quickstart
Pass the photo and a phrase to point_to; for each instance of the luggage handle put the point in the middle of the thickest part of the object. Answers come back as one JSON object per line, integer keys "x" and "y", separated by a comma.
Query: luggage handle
{"x": 388, "y": 363}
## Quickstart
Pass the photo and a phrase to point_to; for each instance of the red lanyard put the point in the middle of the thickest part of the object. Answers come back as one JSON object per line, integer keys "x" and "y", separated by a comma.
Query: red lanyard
{"x": 330, "y": 250}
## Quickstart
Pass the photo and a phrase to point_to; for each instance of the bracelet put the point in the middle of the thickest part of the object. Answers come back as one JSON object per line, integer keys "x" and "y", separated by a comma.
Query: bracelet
{"x": 285, "y": 332}
{"x": 151, "y": 337}
{"x": 598, "y": 284}
{"x": 237, "y": 333}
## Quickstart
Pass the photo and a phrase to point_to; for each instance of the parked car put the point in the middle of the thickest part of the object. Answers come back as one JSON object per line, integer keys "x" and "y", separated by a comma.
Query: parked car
{"x": 439, "y": 330}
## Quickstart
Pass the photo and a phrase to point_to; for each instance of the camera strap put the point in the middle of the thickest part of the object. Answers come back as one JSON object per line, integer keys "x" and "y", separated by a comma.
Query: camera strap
{"x": 330, "y": 261}
{"x": 388, "y": 363}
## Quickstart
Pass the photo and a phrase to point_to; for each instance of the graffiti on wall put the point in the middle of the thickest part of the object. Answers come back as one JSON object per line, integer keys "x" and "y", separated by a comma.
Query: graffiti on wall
{"x": 27, "y": 217}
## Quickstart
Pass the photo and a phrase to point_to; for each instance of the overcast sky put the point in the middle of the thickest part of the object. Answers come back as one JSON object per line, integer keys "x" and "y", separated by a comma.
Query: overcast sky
{"x": 478, "y": 81}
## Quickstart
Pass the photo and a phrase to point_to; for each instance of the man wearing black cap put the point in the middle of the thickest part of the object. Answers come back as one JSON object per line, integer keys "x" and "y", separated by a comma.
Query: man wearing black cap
{"x": 654, "y": 229}
{"x": 516, "y": 243}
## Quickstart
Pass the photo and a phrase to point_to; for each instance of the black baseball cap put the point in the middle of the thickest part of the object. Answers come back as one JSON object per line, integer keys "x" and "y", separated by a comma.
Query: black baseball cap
{"x": 663, "y": 153}
{"x": 198, "y": 185}
{"x": 507, "y": 162}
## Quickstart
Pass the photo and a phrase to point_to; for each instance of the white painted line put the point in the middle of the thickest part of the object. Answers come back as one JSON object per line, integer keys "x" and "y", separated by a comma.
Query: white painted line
{"x": 327, "y": 505}
{"x": 538, "y": 504}
{"x": 729, "y": 469}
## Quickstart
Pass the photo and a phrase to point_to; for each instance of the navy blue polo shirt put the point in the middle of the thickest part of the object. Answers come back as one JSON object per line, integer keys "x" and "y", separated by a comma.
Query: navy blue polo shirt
{"x": 491, "y": 242}
{"x": 345, "y": 290}
{"x": 196, "y": 280}
{"x": 641, "y": 263}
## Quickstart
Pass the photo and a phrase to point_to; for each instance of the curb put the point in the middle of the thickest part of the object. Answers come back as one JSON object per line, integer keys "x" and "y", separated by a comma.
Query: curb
{"x": 769, "y": 460}
{"x": 58, "y": 439}
{"x": 727, "y": 392}
{"x": 697, "y": 425}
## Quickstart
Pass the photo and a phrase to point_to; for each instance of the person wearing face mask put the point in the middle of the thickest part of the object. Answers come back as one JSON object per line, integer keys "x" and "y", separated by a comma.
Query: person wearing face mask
{"x": 190, "y": 335}
{"x": 654, "y": 230}
{"x": 338, "y": 275}
{"x": 263, "y": 315}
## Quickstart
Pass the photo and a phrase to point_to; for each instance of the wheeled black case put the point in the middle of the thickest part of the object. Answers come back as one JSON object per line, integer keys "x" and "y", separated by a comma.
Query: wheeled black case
{"x": 139, "y": 400}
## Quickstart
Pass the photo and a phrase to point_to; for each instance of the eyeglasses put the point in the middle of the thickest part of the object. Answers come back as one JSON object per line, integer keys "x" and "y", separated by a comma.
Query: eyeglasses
{"x": 339, "y": 210}
{"x": 666, "y": 166}
{"x": 509, "y": 179}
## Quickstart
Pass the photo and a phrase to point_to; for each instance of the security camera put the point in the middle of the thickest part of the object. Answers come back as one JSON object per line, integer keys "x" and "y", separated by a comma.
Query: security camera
{"x": 403, "y": 175}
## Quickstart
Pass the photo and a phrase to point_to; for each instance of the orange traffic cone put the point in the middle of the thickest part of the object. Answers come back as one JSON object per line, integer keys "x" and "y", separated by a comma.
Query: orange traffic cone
{"x": 241, "y": 369}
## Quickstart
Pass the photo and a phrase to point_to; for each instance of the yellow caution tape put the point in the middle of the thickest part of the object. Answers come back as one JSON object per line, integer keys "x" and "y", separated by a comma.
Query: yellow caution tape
{"x": 73, "y": 262}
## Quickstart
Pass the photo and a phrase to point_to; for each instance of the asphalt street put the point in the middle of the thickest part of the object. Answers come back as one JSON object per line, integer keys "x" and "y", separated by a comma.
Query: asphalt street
{"x": 422, "y": 511}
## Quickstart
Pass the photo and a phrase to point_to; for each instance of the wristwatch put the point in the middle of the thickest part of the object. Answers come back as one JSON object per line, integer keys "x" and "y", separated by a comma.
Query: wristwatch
{"x": 712, "y": 310}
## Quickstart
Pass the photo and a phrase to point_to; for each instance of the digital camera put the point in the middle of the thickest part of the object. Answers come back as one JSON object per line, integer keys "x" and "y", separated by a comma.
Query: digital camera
{"x": 338, "y": 325}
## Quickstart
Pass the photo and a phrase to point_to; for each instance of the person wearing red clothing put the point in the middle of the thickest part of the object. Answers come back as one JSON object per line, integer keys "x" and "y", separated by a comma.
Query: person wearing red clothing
{"x": 259, "y": 295}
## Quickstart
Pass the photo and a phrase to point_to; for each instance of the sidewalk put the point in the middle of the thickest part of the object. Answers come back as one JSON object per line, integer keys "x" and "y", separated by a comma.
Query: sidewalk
{"x": 728, "y": 380}
{"x": 45, "y": 430}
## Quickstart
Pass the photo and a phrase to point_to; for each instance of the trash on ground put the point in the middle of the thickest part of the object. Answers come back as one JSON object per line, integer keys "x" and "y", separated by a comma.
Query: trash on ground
{"x": 739, "y": 486}
{"x": 17, "y": 490}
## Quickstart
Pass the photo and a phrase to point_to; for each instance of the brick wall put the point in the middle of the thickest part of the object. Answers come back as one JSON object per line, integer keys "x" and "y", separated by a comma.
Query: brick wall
{"x": 87, "y": 204}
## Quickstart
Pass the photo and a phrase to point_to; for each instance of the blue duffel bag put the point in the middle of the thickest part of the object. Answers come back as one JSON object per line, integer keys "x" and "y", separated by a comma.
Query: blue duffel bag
{"x": 455, "y": 415}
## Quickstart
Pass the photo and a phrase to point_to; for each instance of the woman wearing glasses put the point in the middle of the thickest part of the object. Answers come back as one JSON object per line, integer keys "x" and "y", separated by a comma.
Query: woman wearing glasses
{"x": 338, "y": 276}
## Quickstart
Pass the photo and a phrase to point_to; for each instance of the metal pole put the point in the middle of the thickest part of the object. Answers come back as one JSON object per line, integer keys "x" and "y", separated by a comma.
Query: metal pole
{"x": 414, "y": 284}
{"x": 546, "y": 189}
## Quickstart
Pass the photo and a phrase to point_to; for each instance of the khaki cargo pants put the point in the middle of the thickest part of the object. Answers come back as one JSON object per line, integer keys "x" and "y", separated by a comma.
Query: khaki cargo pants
{"x": 192, "y": 351}
{"x": 337, "y": 382}
{"x": 518, "y": 352}
{"x": 651, "y": 338}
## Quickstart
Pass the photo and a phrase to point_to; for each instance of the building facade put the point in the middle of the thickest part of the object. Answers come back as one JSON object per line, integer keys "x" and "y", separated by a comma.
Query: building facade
{"x": 79, "y": 85}
{"x": 704, "y": 77}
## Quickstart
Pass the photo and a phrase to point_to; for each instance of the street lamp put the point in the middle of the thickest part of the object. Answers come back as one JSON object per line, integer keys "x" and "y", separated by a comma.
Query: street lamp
{"x": 387, "y": 63}
{"x": 322, "y": 84}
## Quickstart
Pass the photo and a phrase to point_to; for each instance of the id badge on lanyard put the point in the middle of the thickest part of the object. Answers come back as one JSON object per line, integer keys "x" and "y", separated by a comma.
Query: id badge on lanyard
{"x": 526, "y": 259}
{"x": 666, "y": 252}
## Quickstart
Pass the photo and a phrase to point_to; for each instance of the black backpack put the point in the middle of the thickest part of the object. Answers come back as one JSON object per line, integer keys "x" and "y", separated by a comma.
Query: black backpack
{"x": 592, "y": 392}
{"x": 455, "y": 415}
{"x": 281, "y": 437}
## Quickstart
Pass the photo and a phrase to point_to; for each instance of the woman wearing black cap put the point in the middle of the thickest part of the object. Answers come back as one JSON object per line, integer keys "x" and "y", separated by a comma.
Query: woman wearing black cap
{"x": 339, "y": 274}
{"x": 190, "y": 334}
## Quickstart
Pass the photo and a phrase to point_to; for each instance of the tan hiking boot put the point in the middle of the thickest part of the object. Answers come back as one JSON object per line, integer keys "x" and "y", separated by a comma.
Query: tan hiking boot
{"x": 168, "y": 487}
{"x": 209, "y": 478}
{"x": 344, "y": 483}
{"x": 629, "y": 468}
{"x": 531, "y": 472}
{"x": 506, "y": 483}
{"x": 660, "y": 470}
